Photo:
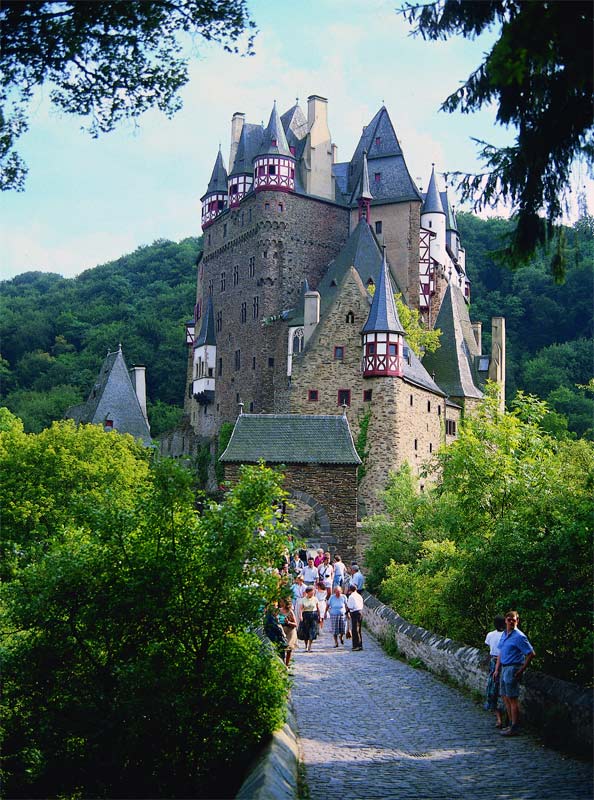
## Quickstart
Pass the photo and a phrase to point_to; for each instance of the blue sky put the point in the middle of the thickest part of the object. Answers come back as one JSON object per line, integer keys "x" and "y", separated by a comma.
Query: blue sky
{"x": 88, "y": 201}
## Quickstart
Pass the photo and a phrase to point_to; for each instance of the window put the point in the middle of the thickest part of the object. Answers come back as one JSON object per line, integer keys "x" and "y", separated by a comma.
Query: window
{"x": 242, "y": 218}
{"x": 297, "y": 344}
{"x": 220, "y": 367}
{"x": 439, "y": 411}
{"x": 312, "y": 395}
{"x": 367, "y": 396}
{"x": 243, "y": 312}
{"x": 416, "y": 444}
{"x": 233, "y": 189}
{"x": 252, "y": 407}
{"x": 235, "y": 275}
{"x": 451, "y": 427}
{"x": 280, "y": 207}
{"x": 378, "y": 177}
{"x": 253, "y": 362}
{"x": 411, "y": 399}
{"x": 255, "y": 307}
{"x": 429, "y": 406}
{"x": 223, "y": 281}
{"x": 273, "y": 141}
{"x": 219, "y": 321}
{"x": 210, "y": 286}
{"x": 370, "y": 348}
{"x": 225, "y": 231}
{"x": 392, "y": 349}
{"x": 339, "y": 353}
{"x": 237, "y": 360}
{"x": 344, "y": 397}
{"x": 209, "y": 238}
{"x": 271, "y": 171}
{"x": 378, "y": 226}
{"x": 350, "y": 318}
{"x": 377, "y": 139}
{"x": 266, "y": 206}
{"x": 250, "y": 215}
{"x": 271, "y": 362}
{"x": 430, "y": 447}
{"x": 252, "y": 267}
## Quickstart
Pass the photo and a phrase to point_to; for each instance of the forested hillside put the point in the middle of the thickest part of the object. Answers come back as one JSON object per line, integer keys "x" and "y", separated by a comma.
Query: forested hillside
{"x": 56, "y": 332}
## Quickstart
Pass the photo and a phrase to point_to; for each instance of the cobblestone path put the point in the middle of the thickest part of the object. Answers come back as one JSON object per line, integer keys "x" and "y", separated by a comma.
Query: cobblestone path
{"x": 372, "y": 727}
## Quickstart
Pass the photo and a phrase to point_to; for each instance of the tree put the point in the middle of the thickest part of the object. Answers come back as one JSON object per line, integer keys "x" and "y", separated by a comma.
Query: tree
{"x": 106, "y": 61}
{"x": 539, "y": 72}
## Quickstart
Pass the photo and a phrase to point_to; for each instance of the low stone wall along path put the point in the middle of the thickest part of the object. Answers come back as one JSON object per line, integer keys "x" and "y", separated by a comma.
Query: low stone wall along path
{"x": 372, "y": 727}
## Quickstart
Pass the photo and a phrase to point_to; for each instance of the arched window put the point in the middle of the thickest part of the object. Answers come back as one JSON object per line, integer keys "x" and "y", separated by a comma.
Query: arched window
{"x": 350, "y": 318}
{"x": 298, "y": 340}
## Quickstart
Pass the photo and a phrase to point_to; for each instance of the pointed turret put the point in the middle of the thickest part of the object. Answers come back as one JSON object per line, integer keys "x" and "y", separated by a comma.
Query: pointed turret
{"x": 214, "y": 201}
{"x": 432, "y": 203}
{"x": 205, "y": 356}
{"x": 241, "y": 177}
{"x": 433, "y": 218}
{"x": 383, "y": 335}
{"x": 364, "y": 197}
{"x": 274, "y": 165}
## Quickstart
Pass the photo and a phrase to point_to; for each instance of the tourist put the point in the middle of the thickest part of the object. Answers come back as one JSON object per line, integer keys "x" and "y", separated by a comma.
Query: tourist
{"x": 274, "y": 630}
{"x": 287, "y": 619}
{"x": 296, "y": 564}
{"x": 339, "y": 570}
{"x": 298, "y": 592}
{"x": 319, "y": 557}
{"x": 493, "y": 700}
{"x": 355, "y": 610}
{"x": 337, "y": 606}
{"x": 322, "y": 595}
{"x": 309, "y": 618}
{"x": 310, "y": 572}
{"x": 515, "y": 653}
{"x": 357, "y": 578}
{"x": 326, "y": 570}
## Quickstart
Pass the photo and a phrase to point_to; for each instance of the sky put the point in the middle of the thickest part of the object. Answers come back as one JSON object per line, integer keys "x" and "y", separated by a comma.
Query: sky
{"x": 88, "y": 201}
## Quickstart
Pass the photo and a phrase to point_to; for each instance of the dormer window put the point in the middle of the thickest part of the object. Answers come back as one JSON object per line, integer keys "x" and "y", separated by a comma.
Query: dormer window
{"x": 273, "y": 142}
{"x": 292, "y": 149}
{"x": 378, "y": 140}
{"x": 378, "y": 177}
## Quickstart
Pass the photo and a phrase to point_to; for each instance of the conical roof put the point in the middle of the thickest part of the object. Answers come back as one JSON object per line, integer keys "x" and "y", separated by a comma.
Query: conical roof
{"x": 207, "y": 329}
{"x": 383, "y": 315}
{"x": 432, "y": 203}
{"x": 274, "y": 141}
{"x": 218, "y": 179}
{"x": 249, "y": 144}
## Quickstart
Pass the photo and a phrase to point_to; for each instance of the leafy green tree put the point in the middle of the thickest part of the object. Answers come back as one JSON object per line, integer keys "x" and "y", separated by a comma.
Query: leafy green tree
{"x": 131, "y": 665}
{"x": 106, "y": 61}
{"x": 539, "y": 75}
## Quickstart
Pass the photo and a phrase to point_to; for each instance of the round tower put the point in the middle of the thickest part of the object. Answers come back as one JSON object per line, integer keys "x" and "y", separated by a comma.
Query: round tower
{"x": 383, "y": 335}
{"x": 214, "y": 201}
{"x": 274, "y": 165}
{"x": 433, "y": 218}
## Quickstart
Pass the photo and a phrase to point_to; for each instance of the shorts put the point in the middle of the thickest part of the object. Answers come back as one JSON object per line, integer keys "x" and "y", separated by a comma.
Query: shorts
{"x": 509, "y": 685}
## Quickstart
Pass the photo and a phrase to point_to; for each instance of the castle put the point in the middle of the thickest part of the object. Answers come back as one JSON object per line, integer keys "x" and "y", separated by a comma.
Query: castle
{"x": 295, "y": 311}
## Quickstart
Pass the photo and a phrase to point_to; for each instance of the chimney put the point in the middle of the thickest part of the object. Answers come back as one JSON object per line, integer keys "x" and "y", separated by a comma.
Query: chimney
{"x": 317, "y": 111}
{"x": 138, "y": 376}
{"x": 236, "y": 128}
{"x": 311, "y": 315}
{"x": 497, "y": 365}
{"x": 477, "y": 329}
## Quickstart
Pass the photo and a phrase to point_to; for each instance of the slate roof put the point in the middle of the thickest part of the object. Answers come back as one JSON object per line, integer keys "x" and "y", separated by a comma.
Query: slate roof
{"x": 207, "y": 329}
{"x": 432, "y": 203}
{"x": 384, "y": 155}
{"x": 218, "y": 179}
{"x": 415, "y": 373}
{"x": 295, "y": 125}
{"x": 383, "y": 315}
{"x": 454, "y": 363}
{"x": 274, "y": 141}
{"x": 451, "y": 221}
{"x": 291, "y": 439}
{"x": 113, "y": 397}
{"x": 248, "y": 146}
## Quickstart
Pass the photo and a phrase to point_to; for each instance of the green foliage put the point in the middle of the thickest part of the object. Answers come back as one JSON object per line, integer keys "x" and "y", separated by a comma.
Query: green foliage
{"x": 361, "y": 444}
{"x": 420, "y": 339}
{"x": 538, "y": 74}
{"x": 225, "y": 432}
{"x": 107, "y": 62}
{"x": 508, "y": 524}
{"x": 141, "y": 300}
{"x": 131, "y": 667}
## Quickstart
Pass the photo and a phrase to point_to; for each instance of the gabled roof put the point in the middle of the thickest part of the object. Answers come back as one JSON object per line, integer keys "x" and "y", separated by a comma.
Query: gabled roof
{"x": 385, "y": 157}
{"x": 274, "y": 141}
{"x": 218, "y": 179}
{"x": 207, "y": 329}
{"x": 249, "y": 143}
{"x": 454, "y": 363}
{"x": 113, "y": 397}
{"x": 291, "y": 439}
{"x": 383, "y": 315}
{"x": 432, "y": 203}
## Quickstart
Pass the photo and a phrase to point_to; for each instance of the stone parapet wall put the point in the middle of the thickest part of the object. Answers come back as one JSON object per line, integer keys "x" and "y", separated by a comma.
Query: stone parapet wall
{"x": 544, "y": 700}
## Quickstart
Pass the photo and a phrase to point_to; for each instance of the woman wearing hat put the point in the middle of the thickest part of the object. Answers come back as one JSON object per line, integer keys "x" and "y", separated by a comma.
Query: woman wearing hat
{"x": 310, "y": 613}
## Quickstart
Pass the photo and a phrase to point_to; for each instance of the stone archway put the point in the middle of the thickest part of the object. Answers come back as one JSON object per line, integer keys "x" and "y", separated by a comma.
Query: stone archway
{"x": 316, "y": 526}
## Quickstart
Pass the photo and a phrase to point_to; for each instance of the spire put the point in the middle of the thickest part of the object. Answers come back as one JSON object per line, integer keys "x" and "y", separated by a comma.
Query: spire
{"x": 383, "y": 316}
{"x": 364, "y": 196}
{"x": 207, "y": 329}
{"x": 432, "y": 203}
{"x": 275, "y": 141}
{"x": 218, "y": 179}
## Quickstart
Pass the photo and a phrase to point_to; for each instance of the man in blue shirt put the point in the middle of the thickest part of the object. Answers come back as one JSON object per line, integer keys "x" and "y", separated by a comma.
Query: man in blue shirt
{"x": 515, "y": 653}
{"x": 357, "y": 578}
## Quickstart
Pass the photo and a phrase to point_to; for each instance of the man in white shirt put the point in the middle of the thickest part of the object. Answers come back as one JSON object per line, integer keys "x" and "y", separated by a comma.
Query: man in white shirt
{"x": 310, "y": 573}
{"x": 355, "y": 610}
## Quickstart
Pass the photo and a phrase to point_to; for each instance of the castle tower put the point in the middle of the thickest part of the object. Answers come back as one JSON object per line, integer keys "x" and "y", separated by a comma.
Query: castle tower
{"x": 214, "y": 201}
{"x": 241, "y": 176}
{"x": 204, "y": 359}
{"x": 383, "y": 335}
{"x": 365, "y": 197}
{"x": 274, "y": 165}
{"x": 433, "y": 217}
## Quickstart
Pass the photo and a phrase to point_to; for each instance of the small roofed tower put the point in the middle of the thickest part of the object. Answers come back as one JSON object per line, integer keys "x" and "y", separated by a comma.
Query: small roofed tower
{"x": 364, "y": 197}
{"x": 433, "y": 217}
{"x": 214, "y": 202}
{"x": 274, "y": 165}
{"x": 383, "y": 335}
{"x": 204, "y": 358}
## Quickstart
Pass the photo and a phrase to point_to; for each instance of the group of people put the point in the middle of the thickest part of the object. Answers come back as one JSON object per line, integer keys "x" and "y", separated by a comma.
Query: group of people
{"x": 510, "y": 654}
{"x": 324, "y": 591}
